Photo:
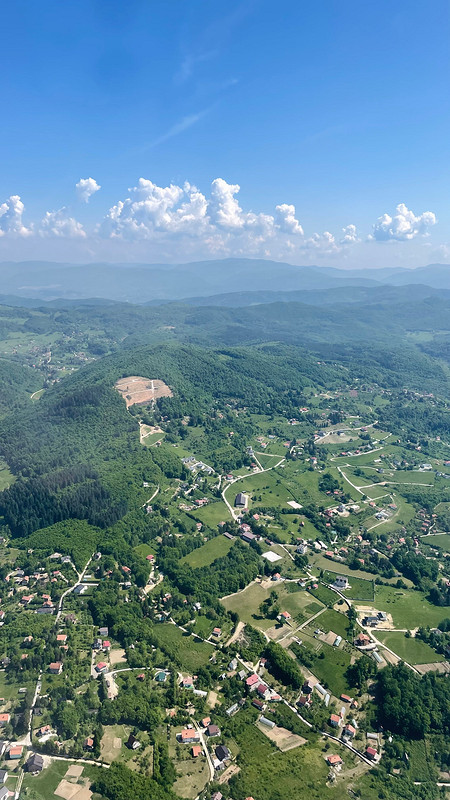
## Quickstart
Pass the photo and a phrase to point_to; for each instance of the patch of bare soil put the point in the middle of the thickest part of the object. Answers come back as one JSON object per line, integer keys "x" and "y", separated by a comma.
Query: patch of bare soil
{"x": 117, "y": 656}
{"x": 138, "y": 390}
{"x": 281, "y": 737}
{"x": 443, "y": 667}
{"x": 233, "y": 769}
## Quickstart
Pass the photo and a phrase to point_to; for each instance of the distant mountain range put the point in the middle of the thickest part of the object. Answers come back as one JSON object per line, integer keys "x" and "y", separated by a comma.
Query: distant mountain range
{"x": 230, "y": 282}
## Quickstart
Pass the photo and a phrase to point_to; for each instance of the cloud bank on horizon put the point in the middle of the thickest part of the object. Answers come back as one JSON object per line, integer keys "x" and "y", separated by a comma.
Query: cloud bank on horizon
{"x": 181, "y": 222}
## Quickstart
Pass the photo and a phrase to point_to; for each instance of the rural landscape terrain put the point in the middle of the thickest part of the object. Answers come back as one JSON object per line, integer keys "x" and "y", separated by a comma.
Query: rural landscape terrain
{"x": 225, "y": 539}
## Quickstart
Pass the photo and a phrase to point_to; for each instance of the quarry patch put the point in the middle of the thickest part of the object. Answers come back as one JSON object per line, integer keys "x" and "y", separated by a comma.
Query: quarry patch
{"x": 137, "y": 390}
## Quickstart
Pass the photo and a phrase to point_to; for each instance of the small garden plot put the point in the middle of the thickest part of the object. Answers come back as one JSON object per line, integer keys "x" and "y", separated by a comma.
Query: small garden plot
{"x": 210, "y": 551}
{"x": 182, "y": 648}
{"x": 409, "y": 649}
{"x": 409, "y": 608}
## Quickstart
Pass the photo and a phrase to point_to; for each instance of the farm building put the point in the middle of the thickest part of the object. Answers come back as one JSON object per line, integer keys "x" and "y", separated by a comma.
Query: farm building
{"x": 240, "y": 501}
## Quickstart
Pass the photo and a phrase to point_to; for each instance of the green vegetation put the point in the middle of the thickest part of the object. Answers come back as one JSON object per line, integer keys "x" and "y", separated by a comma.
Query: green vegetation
{"x": 205, "y": 555}
{"x": 183, "y": 649}
{"x": 409, "y": 648}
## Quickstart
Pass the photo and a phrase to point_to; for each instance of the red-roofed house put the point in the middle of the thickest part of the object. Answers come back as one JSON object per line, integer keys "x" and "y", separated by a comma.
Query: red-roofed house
{"x": 371, "y": 753}
{"x": 251, "y": 682}
{"x": 196, "y": 750}
{"x": 334, "y": 760}
{"x": 188, "y": 735}
{"x": 335, "y": 720}
{"x": 55, "y": 668}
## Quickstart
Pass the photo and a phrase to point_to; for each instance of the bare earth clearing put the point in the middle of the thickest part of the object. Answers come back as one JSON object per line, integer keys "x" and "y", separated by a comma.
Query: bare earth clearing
{"x": 443, "y": 667}
{"x": 138, "y": 390}
{"x": 70, "y": 790}
{"x": 284, "y": 739}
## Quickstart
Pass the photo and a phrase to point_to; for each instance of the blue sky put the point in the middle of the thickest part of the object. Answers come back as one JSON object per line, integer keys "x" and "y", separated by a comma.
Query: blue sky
{"x": 332, "y": 118}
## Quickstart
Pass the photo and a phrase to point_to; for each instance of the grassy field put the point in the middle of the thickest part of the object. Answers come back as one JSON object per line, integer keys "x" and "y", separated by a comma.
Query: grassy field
{"x": 42, "y": 787}
{"x": 263, "y": 488}
{"x": 108, "y": 751}
{"x": 207, "y": 553}
{"x": 299, "y": 604}
{"x": 6, "y": 477}
{"x": 324, "y": 594}
{"x": 333, "y": 621}
{"x": 331, "y": 670}
{"x": 212, "y": 514}
{"x": 193, "y": 773}
{"x": 359, "y": 588}
{"x": 409, "y": 649}
{"x": 409, "y": 609}
{"x": 440, "y": 540}
{"x": 267, "y": 774}
{"x": 183, "y": 648}
{"x": 144, "y": 550}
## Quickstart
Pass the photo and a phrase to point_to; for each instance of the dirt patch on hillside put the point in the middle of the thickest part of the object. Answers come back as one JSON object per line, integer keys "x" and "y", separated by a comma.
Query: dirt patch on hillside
{"x": 233, "y": 769}
{"x": 117, "y": 656}
{"x": 74, "y": 771}
{"x": 138, "y": 390}
{"x": 281, "y": 737}
{"x": 443, "y": 667}
{"x": 72, "y": 791}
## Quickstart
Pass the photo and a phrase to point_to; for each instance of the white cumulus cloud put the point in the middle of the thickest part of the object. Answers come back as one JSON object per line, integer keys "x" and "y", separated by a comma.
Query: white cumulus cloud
{"x": 286, "y": 220}
{"x": 58, "y": 223}
{"x": 86, "y": 187}
{"x": 11, "y": 212}
{"x": 350, "y": 235}
{"x": 404, "y": 225}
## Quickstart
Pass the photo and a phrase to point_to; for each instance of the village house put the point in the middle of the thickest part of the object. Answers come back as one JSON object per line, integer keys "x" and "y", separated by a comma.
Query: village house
{"x": 188, "y": 735}
{"x": 4, "y": 718}
{"x": 15, "y": 752}
{"x": 252, "y": 682}
{"x": 196, "y": 750}
{"x": 222, "y": 753}
{"x": 335, "y": 720}
{"x": 133, "y": 743}
{"x": 55, "y": 668}
{"x": 35, "y": 764}
{"x": 334, "y": 760}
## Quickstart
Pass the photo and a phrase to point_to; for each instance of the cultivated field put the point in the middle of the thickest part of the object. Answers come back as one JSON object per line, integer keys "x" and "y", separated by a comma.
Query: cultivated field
{"x": 138, "y": 390}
